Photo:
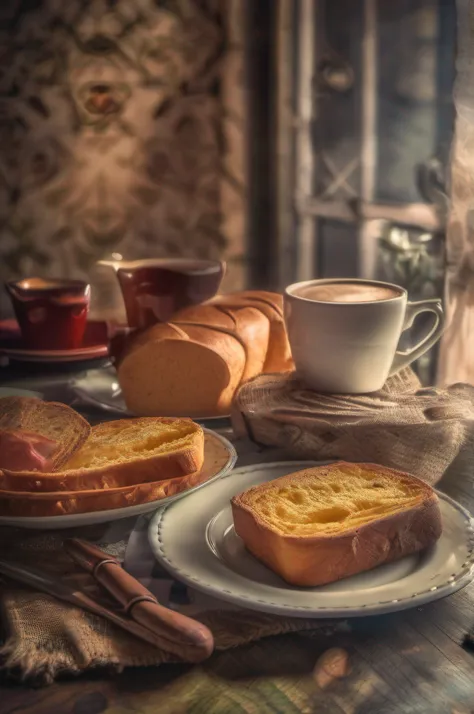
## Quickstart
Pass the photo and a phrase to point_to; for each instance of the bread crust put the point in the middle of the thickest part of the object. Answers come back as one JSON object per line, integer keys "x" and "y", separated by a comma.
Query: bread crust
{"x": 161, "y": 467}
{"x": 49, "y": 419}
{"x": 24, "y": 504}
{"x": 278, "y": 358}
{"x": 275, "y": 300}
{"x": 246, "y": 324}
{"x": 324, "y": 558}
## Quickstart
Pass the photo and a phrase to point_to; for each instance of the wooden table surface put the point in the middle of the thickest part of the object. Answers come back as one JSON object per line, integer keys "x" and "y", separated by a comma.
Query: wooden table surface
{"x": 411, "y": 662}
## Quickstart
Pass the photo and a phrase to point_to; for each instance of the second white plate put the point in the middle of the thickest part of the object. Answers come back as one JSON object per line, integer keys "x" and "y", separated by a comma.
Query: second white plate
{"x": 195, "y": 540}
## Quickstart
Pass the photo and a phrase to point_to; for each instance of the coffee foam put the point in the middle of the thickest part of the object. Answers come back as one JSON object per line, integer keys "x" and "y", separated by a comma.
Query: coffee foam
{"x": 348, "y": 292}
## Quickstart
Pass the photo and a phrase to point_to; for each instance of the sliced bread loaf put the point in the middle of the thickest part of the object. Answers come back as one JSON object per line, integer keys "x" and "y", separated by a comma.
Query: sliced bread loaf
{"x": 171, "y": 369}
{"x": 195, "y": 364}
{"x": 325, "y": 523}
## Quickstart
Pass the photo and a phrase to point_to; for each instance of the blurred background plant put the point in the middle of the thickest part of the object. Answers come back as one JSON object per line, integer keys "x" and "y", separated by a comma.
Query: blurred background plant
{"x": 414, "y": 259}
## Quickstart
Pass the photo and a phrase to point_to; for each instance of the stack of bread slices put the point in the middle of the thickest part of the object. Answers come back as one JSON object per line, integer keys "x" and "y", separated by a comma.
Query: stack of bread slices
{"x": 194, "y": 365}
{"x": 53, "y": 463}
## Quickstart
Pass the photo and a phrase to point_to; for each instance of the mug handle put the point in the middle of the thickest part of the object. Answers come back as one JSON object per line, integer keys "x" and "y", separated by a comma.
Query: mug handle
{"x": 403, "y": 359}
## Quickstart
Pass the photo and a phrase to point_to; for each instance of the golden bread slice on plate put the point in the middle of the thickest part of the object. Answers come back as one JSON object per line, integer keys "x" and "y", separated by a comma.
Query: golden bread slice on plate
{"x": 48, "y": 504}
{"x": 328, "y": 522}
{"x": 120, "y": 454}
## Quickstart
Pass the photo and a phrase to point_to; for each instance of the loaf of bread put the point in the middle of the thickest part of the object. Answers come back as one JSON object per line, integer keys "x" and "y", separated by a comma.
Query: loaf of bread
{"x": 63, "y": 428}
{"x": 195, "y": 364}
{"x": 120, "y": 454}
{"x": 326, "y": 523}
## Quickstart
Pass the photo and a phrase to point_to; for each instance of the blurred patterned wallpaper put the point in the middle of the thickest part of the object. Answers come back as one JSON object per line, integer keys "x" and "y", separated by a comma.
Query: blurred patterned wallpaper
{"x": 121, "y": 130}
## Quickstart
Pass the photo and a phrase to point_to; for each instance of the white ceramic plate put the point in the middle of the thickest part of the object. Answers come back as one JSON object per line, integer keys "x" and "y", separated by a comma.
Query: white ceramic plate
{"x": 195, "y": 540}
{"x": 14, "y": 392}
{"x": 100, "y": 389}
{"x": 219, "y": 458}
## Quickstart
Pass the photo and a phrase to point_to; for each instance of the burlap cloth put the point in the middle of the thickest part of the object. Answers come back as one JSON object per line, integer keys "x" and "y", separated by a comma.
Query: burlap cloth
{"x": 404, "y": 426}
{"x": 45, "y": 638}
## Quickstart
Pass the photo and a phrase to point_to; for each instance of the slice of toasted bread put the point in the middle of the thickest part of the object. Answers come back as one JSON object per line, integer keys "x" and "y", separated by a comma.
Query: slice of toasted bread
{"x": 52, "y": 420}
{"x": 119, "y": 454}
{"x": 41, "y": 504}
{"x": 329, "y": 522}
{"x": 62, "y": 503}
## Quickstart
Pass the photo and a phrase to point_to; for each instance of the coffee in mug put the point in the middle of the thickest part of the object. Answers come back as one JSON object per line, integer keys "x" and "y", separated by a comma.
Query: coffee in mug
{"x": 348, "y": 292}
{"x": 344, "y": 333}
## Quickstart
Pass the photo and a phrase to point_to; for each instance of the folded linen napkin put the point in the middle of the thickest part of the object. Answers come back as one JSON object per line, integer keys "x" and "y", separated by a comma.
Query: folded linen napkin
{"x": 403, "y": 426}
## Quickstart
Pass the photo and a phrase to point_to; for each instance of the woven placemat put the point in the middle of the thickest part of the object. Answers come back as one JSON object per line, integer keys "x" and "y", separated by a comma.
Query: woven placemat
{"x": 403, "y": 426}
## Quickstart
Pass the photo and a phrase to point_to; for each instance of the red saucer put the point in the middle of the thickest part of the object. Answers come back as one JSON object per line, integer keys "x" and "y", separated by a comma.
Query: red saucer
{"x": 95, "y": 345}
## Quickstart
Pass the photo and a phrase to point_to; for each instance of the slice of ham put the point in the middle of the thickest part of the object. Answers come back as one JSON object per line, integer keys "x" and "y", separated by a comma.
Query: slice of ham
{"x": 25, "y": 451}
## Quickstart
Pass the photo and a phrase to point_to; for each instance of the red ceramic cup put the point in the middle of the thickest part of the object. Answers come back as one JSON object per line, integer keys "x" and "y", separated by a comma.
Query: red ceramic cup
{"x": 51, "y": 313}
{"x": 153, "y": 290}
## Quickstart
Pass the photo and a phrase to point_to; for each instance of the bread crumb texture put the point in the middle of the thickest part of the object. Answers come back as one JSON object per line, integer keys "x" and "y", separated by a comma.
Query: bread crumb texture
{"x": 130, "y": 440}
{"x": 332, "y": 500}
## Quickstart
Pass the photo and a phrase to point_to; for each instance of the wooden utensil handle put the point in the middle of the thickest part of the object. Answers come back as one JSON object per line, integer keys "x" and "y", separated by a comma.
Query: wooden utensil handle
{"x": 88, "y": 556}
{"x": 138, "y": 602}
{"x": 109, "y": 573}
{"x": 163, "y": 634}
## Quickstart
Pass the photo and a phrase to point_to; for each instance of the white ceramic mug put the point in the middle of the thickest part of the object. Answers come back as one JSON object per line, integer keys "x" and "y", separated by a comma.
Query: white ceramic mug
{"x": 344, "y": 333}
